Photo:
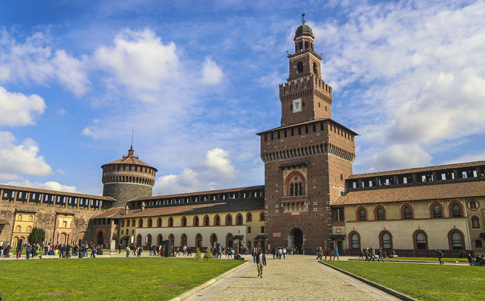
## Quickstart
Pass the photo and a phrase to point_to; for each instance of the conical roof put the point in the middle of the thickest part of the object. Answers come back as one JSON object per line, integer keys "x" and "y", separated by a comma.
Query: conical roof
{"x": 130, "y": 159}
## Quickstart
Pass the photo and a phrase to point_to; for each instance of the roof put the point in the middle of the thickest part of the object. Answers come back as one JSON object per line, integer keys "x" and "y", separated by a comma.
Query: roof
{"x": 307, "y": 122}
{"x": 130, "y": 159}
{"x": 304, "y": 30}
{"x": 419, "y": 169}
{"x": 55, "y": 192}
{"x": 413, "y": 193}
{"x": 207, "y": 207}
{"x": 249, "y": 188}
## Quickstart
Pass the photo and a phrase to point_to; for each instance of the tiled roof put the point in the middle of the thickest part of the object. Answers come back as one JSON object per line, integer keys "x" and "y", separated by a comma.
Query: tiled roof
{"x": 211, "y": 192}
{"x": 419, "y": 169}
{"x": 308, "y": 122}
{"x": 413, "y": 193}
{"x": 55, "y": 192}
{"x": 130, "y": 159}
{"x": 207, "y": 207}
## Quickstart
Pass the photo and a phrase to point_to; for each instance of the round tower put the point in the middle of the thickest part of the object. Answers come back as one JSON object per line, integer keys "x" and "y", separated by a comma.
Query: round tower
{"x": 128, "y": 178}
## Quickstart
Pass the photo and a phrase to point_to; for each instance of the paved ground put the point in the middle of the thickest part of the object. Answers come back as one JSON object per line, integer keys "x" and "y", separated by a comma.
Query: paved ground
{"x": 296, "y": 278}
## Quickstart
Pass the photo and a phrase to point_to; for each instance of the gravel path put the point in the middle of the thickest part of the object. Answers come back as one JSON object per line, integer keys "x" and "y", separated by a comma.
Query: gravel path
{"x": 296, "y": 278}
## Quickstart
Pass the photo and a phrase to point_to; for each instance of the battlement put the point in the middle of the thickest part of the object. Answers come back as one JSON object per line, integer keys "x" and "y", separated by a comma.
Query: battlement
{"x": 310, "y": 82}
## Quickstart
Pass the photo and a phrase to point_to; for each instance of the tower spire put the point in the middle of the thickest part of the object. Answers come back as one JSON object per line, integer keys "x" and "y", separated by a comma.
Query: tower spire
{"x": 303, "y": 18}
{"x": 131, "y": 151}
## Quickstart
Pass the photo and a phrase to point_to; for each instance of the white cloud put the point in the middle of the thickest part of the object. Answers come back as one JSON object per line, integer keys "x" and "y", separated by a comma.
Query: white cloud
{"x": 211, "y": 73}
{"x": 18, "y": 109}
{"x": 20, "y": 158}
{"x": 37, "y": 60}
{"x": 214, "y": 171}
{"x": 139, "y": 60}
{"x": 413, "y": 76}
{"x": 50, "y": 185}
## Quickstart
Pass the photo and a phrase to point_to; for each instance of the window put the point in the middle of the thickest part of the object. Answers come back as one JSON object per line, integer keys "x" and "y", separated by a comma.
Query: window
{"x": 473, "y": 205}
{"x": 239, "y": 219}
{"x": 249, "y": 229}
{"x": 249, "y": 218}
{"x": 121, "y": 232}
{"x": 437, "y": 211}
{"x": 150, "y": 223}
{"x": 456, "y": 241}
{"x": 159, "y": 222}
{"x": 133, "y": 222}
{"x": 261, "y": 216}
{"x": 315, "y": 68}
{"x": 248, "y": 243}
{"x": 183, "y": 239}
{"x": 456, "y": 210}
{"x": 338, "y": 214}
{"x": 355, "y": 241}
{"x": 478, "y": 244}
{"x": 140, "y": 223}
{"x": 122, "y": 223}
{"x": 386, "y": 241}
{"x": 198, "y": 241}
{"x": 29, "y": 229}
{"x": 217, "y": 220}
{"x": 170, "y": 222}
{"x": 362, "y": 215}
{"x": 206, "y": 221}
{"x": 19, "y": 218}
{"x": 295, "y": 184}
{"x": 18, "y": 229}
{"x": 64, "y": 224}
{"x": 421, "y": 241}
{"x": 262, "y": 229}
{"x": 408, "y": 212}
{"x": 184, "y": 221}
{"x": 475, "y": 222}
{"x": 380, "y": 214}
{"x": 213, "y": 238}
{"x": 196, "y": 221}
{"x": 299, "y": 67}
{"x": 229, "y": 241}
{"x": 172, "y": 239}
{"x": 229, "y": 219}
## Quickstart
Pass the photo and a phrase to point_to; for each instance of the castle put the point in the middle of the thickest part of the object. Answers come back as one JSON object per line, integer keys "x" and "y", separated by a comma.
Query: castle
{"x": 310, "y": 196}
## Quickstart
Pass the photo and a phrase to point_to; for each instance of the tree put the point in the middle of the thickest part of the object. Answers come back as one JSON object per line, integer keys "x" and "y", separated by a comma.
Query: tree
{"x": 37, "y": 236}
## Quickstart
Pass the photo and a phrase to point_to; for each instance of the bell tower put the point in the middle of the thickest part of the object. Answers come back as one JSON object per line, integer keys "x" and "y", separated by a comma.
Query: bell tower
{"x": 305, "y": 96}
{"x": 306, "y": 159}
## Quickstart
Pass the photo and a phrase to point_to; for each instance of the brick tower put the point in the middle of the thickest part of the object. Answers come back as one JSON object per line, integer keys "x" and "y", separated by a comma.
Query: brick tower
{"x": 128, "y": 178}
{"x": 307, "y": 158}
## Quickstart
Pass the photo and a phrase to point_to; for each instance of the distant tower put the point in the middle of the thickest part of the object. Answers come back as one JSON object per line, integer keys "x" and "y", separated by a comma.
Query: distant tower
{"x": 128, "y": 178}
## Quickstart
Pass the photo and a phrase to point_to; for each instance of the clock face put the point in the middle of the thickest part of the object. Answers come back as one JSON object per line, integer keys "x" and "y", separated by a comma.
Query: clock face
{"x": 296, "y": 105}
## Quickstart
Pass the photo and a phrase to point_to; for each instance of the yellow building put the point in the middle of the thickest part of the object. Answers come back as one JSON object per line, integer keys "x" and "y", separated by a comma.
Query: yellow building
{"x": 23, "y": 224}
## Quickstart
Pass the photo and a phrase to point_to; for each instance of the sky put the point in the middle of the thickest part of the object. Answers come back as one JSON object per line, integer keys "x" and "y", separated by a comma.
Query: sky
{"x": 198, "y": 79}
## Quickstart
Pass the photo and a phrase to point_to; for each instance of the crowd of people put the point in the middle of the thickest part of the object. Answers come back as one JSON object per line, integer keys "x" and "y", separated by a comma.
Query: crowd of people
{"x": 61, "y": 250}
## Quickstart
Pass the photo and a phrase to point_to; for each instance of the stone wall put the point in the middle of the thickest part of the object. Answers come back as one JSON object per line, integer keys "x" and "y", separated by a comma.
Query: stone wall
{"x": 123, "y": 192}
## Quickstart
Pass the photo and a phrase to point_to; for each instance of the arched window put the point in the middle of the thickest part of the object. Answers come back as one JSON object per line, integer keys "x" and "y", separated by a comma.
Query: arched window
{"x": 29, "y": 229}
{"x": 362, "y": 214}
{"x": 213, "y": 238}
{"x": 160, "y": 239}
{"x": 473, "y": 205}
{"x": 206, "y": 221}
{"x": 380, "y": 213}
{"x": 239, "y": 219}
{"x": 385, "y": 240}
{"x": 159, "y": 222}
{"x": 133, "y": 222}
{"x": 456, "y": 240}
{"x": 300, "y": 46}
{"x": 196, "y": 221}
{"x": 229, "y": 240}
{"x": 31, "y": 218}
{"x": 184, "y": 221}
{"x": 122, "y": 223}
{"x": 306, "y": 45}
{"x": 420, "y": 240}
{"x": 261, "y": 216}
{"x": 407, "y": 212}
{"x": 18, "y": 229}
{"x": 172, "y": 239}
{"x": 456, "y": 210}
{"x": 170, "y": 222}
{"x": 475, "y": 222}
{"x": 249, "y": 217}
{"x": 299, "y": 67}
{"x": 315, "y": 68}
{"x": 217, "y": 220}
{"x": 354, "y": 240}
{"x": 229, "y": 219}
{"x": 19, "y": 217}
{"x": 295, "y": 184}
{"x": 183, "y": 239}
{"x": 198, "y": 240}
{"x": 149, "y": 240}
{"x": 138, "y": 240}
{"x": 140, "y": 223}
{"x": 437, "y": 211}
{"x": 478, "y": 244}
{"x": 150, "y": 223}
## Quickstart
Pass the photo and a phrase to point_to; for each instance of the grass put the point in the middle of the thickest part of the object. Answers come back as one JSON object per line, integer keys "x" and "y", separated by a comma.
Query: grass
{"x": 446, "y": 259}
{"x": 422, "y": 281}
{"x": 107, "y": 278}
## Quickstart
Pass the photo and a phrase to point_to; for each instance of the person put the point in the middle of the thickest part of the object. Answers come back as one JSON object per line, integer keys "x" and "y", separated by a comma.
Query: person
{"x": 379, "y": 252}
{"x": 128, "y": 251}
{"x": 19, "y": 250}
{"x": 361, "y": 255}
{"x": 1, "y": 251}
{"x": 280, "y": 252}
{"x": 119, "y": 249}
{"x": 284, "y": 252}
{"x": 273, "y": 252}
{"x": 469, "y": 256}
{"x": 93, "y": 252}
{"x": 260, "y": 261}
{"x": 440, "y": 257}
{"x": 336, "y": 254}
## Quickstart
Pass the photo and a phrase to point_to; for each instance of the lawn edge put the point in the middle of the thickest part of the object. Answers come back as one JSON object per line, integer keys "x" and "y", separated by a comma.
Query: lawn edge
{"x": 383, "y": 288}
{"x": 197, "y": 289}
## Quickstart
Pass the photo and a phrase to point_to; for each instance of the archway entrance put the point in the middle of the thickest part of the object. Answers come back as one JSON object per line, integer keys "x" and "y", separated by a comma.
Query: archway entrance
{"x": 296, "y": 238}
{"x": 100, "y": 238}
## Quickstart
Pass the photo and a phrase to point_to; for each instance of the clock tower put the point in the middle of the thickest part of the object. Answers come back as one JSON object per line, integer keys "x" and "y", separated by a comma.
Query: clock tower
{"x": 307, "y": 158}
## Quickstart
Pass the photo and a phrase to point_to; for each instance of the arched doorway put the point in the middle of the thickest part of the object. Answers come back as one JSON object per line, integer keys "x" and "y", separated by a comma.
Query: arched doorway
{"x": 296, "y": 238}
{"x": 100, "y": 238}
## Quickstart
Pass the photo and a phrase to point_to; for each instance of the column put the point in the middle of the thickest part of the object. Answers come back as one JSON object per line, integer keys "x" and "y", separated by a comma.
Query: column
{"x": 478, "y": 173}
{"x": 77, "y": 202}
{"x": 41, "y": 198}
{"x": 99, "y": 204}
{"x": 89, "y": 203}
{"x": 67, "y": 200}
{"x": 28, "y": 197}
{"x": 15, "y": 194}
{"x": 1, "y": 194}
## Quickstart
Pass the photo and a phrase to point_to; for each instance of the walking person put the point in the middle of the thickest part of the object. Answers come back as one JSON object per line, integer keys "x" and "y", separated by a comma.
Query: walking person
{"x": 379, "y": 252}
{"x": 260, "y": 261}
{"x": 440, "y": 257}
{"x": 336, "y": 254}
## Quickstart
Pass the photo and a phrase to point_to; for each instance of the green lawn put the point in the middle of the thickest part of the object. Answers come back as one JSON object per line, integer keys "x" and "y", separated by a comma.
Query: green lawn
{"x": 422, "y": 281}
{"x": 430, "y": 259}
{"x": 106, "y": 278}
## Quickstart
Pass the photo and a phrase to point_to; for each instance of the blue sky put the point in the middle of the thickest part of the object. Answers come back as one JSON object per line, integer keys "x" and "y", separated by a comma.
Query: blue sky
{"x": 198, "y": 79}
